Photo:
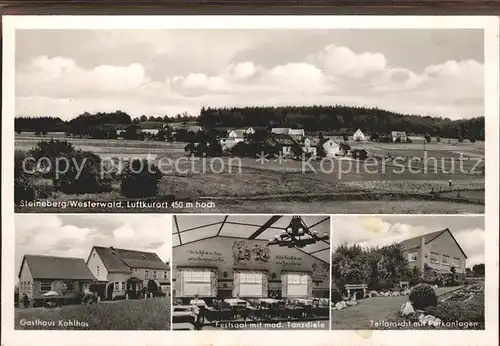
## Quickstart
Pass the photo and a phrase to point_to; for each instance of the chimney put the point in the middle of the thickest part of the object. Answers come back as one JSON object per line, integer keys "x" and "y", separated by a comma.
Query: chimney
{"x": 421, "y": 254}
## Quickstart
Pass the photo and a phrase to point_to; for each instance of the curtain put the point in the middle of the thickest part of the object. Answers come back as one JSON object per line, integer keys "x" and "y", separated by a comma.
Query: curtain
{"x": 179, "y": 283}
{"x": 309, "y": 286}
{"x": 213, "y": 281}
{"x": 236, "y": 283}
{"x": 284, "y": 284}
{"x": 264, "y": 285}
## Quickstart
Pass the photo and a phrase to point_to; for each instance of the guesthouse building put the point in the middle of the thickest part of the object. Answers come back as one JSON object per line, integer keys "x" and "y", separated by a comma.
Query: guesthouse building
{"x": 122, "y": 273}
{"x": 64, "y": 277}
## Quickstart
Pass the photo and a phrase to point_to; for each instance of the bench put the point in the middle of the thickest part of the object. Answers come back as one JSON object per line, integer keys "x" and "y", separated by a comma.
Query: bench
{"x": 356, "y": 287}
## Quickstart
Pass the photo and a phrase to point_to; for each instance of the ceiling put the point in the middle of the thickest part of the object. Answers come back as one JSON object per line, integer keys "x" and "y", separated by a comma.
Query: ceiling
{"x": 190, "y": 228}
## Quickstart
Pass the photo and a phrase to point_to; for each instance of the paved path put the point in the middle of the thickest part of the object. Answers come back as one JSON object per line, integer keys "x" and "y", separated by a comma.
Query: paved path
{"x": 371, "y": 310}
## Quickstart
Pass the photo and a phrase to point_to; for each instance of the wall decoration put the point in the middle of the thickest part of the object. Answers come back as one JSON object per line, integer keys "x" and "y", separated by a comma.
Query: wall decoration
{"x": 213, "y": 257}
{"x": 243, "y": 251}
{"x": 321, "y": 270}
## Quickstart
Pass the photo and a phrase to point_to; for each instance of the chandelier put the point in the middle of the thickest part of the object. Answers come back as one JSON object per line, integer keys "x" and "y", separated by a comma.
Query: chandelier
{"x": 297, "y": 235}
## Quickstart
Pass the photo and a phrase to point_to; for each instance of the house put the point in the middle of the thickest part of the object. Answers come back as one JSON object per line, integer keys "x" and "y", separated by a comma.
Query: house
{"x": 283, "y": 141}
{"x": 233, "y": 138}
{"x": 358, "y": 135}
{"x": 331, "y": 147}
{"x": 435, "y": 253}
{"x": 151, "y": 127}
{"x": 399, "y": 134}
{"x": 309, "y": 145}
{"x": 68, "y": 276}
{"x": 280, "y": 130}
{"x": 121, "y": 272}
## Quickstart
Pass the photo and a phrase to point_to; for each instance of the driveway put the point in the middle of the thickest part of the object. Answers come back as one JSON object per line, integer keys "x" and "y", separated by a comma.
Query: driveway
{"x": 371, "y": 310}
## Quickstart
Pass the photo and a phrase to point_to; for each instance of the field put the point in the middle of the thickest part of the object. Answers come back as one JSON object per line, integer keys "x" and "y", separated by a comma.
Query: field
{"x": 332, "y": 185}
{"x": 150, "y": 314}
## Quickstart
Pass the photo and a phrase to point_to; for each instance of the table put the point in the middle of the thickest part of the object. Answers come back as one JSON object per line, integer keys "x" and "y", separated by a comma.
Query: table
{"x": 235, "y": 301}
{"x": 307, "y": 302}
{"x": 198, "y": 302}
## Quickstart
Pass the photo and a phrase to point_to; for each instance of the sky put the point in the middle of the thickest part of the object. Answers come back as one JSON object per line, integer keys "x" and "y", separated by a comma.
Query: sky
{"x": 74, "y": 235}
{"x": 62, "y": 73}
{"x": 386, "y": 230}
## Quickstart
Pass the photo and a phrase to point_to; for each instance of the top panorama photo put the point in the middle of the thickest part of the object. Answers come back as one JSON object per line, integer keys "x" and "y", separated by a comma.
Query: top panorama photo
{"x": 250, "y": 121}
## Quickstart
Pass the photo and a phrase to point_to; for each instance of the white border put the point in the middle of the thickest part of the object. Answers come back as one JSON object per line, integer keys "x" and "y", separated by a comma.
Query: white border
{"x": 490, "y": 25}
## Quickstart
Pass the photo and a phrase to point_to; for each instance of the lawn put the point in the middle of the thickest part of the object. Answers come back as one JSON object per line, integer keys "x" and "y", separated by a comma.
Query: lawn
{"x": 150, "y": 314}
{"x": 369, "y": 311}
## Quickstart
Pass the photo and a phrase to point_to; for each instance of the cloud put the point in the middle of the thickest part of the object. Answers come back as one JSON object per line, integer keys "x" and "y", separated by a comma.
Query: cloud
{"x": 59, "y": 86}
{"x": 341, "y": 61}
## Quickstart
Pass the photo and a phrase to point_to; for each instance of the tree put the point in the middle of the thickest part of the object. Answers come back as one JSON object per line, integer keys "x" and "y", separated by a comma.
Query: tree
{"x": 321, "y": 152}
{"x": 427, "y": 138}
{"x": 345, "y": 137}
{"x": 143, "y": 118}
{"x": 297, "y": 151}
{"x": 478, "y": 270}
{"x": 24, "y": 188}
{"x": 438, "y": 139}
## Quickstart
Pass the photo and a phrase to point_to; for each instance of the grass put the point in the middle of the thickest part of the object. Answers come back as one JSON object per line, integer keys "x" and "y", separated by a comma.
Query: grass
{"x": 150, "y": 314}
{"x": 286, "y": 185}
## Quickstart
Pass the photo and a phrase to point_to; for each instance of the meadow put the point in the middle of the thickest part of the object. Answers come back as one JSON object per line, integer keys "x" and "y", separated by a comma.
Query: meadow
{"x": 249, "y": 185}
{"x": 145, "y": 314}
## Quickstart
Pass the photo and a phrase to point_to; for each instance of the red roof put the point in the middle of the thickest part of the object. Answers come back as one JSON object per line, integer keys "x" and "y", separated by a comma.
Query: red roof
{"x": 51, "y": 267}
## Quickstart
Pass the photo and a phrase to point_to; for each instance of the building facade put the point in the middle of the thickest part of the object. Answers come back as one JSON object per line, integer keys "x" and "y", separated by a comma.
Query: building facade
{"x": 126, "y": 273}
{"x": 38, "y": 275}
{"x": 435, "y": 253}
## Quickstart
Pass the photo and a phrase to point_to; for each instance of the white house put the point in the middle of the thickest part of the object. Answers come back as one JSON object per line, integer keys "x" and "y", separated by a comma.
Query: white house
{"x": 399, "y": 134}
{"x": 358, "y": 136}
{"x": 309, "y": 145}
{"x": 234, "y": 137}
{"x": 331, "y": 147}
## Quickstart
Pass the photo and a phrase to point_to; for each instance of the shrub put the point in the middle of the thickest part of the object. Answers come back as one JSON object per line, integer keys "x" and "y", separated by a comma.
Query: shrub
{"x": 438, "y": 139}
{"x": 427, "y": 138}
{"x": 336, "y": 294}
{"x": 84, "y": 179}
{"x": 451, "y": 311}
{"x": 423, "y": 296}
{"x": 140, "y": 178}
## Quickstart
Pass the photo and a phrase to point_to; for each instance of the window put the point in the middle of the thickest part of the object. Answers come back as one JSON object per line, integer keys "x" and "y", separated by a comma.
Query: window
{"x": 412, "y": 256}
{"x": 297, "y": 285}
{"x": 70, "y": 286}
{"x": 456, "y": 262}
{"x": 93, "y": 255}
{"x": 147, "y": 274}
{"x": 446, "y": 260}
{"x": 154, "y": 274}
{"x": 45, "y": 286}
{"x": 251, "y": 284}
{"x": 197, "y": 282}
{"x": 97, "y": 270}
{"x": 124, "y": 286}
{"x": 434, "y": 257}
{"x": 117, "y": 286}
{"x": 164, "y": 275}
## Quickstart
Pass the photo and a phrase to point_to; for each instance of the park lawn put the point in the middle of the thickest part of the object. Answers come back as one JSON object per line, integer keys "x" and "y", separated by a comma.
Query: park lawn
{"x": 369, "y": 311}
{"x": 145, "y": 314}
